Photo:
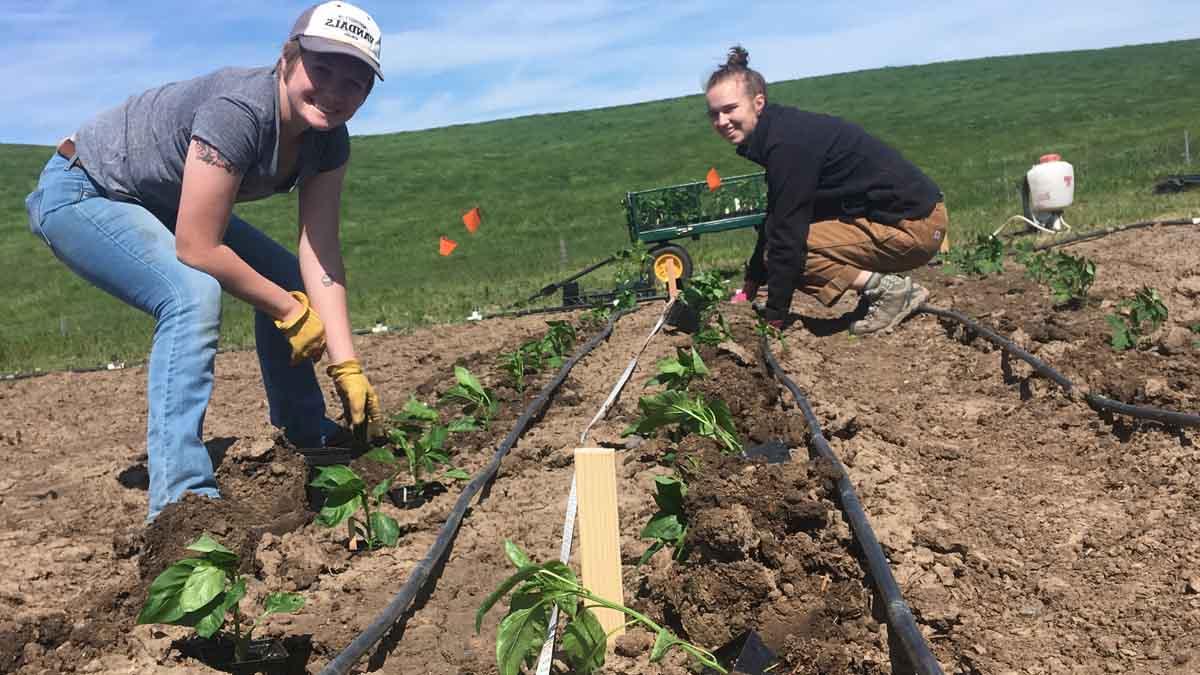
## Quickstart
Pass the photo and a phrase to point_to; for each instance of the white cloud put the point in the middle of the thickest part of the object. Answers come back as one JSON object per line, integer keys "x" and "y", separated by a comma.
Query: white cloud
{"x": 472, "y": 61}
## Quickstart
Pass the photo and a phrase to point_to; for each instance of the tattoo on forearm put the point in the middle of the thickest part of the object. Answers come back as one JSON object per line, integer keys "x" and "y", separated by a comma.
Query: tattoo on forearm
{"x": 209, "y": 155}
{"x": 326, "y": 280}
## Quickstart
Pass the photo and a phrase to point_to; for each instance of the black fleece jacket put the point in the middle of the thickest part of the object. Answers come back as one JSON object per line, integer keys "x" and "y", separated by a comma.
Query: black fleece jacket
{"x": 821, "y": 167}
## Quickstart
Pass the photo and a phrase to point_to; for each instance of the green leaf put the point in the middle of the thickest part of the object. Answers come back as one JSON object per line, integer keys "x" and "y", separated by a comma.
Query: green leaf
{"x": 337, "y": 477}
{"x": 382, "y": 455}
{"x": 664, "y": 526}
{"x": 282, "y": 603}
{"x": 1121, "y": 337}
{"x": 584, "y": 643}
{"x": 457, "y": 474}
{"x": 210, "y": 619}
{"x": 338, "y": 507}
{"x": 516, "y": 555}
{"x": 381, "y": 489}
{"x": 520, "y": 636}
{"x": 654, "y": 548}
{"x": 521, "y": 575}
{"x": 662, "y": 644}
{"x": 417, "y": 410}
{"x": 467, "y": 380}
{"x": 570, "y": 581}
{"x": 204, "y": 583}
{"x": 669, "y": 493}
{"x": 205, "y": 544}
{"x": 434, "y": 438}
{"x": 162, "y": 598}
{"x": 724, "y": 420}
{"x": 463, "y": 424}
{"x": 385, "y": 528}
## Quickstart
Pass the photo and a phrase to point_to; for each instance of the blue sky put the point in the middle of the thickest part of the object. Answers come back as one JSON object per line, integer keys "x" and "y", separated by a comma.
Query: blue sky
{"x": 453, "y": 62}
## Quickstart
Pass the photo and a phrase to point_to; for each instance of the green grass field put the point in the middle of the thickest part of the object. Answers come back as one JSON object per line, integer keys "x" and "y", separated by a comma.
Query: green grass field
{"x": 551, "y": 186}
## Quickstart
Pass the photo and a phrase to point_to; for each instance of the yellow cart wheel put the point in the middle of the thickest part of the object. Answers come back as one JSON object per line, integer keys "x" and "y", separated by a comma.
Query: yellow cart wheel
{"x": 671, "y": 259}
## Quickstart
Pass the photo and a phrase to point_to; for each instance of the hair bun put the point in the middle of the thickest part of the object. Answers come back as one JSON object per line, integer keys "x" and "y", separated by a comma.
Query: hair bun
{"x": 738, "y": 57}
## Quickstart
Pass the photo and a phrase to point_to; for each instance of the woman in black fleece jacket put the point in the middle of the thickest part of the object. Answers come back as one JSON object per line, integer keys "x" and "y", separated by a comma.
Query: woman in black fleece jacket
{"x": 844, "y": 210}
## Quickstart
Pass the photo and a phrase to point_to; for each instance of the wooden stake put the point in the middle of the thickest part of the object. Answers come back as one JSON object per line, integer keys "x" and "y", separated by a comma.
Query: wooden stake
{"x": 599, "y": 537}
{"x": 672, "y": 288}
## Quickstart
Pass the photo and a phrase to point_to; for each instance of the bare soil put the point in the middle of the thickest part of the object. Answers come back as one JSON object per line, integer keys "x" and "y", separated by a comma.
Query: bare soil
{"x": 1028, "y": 533}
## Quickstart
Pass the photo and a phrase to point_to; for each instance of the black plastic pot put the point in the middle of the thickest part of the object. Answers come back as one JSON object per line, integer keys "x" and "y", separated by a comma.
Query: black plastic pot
{"x": 329, "y": 456}
{"x": 265, "y": 655}
{"x": 683, "y": 317}
{"x": 774, "y": 451}
{"x": 409, "y": 497}
{"x": 745, "y": 654}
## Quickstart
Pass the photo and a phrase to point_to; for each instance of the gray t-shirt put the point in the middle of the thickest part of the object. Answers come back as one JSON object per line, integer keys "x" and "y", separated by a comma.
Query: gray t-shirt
{"x": 136, "y": 151}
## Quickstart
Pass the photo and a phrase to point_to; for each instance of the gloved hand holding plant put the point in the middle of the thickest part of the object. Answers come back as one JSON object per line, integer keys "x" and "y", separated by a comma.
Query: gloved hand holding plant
{"x": 360, "y": 404}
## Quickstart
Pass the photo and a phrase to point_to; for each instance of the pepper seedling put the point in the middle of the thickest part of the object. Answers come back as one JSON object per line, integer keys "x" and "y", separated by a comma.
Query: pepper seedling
{"x": 1069, "y": 277}
{"x": 200, "y": 591}
{"x": 423, "y": 457}
{"x": 533, "y": 355}
{"x": 539, "y": 588}
{"x": 688, "y": 414}
{"x": 980, "y": 257}
{"x": 1138, "y": 316}
{"x": 345, "y": 495}
{"x": 713, "y": 335}
{"x": 678, "y": 371}
{"x": 479, "y": 402}
{"x": 669, "y": 525}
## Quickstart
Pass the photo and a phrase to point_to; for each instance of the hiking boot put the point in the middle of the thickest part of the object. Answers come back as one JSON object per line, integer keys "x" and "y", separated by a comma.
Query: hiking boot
{"x": 889, "y": 303}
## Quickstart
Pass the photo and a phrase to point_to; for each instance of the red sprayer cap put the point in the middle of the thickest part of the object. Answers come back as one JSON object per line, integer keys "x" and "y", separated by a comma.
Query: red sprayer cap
{"x": 1052, "y": 157}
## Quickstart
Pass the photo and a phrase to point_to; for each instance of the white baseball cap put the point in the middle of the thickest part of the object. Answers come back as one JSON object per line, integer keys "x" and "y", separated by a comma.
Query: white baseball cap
{"x": 341, "y": 28}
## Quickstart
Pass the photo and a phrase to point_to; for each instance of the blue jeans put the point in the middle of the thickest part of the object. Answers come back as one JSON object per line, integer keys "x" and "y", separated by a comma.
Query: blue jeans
{"x": 126, "y": 250}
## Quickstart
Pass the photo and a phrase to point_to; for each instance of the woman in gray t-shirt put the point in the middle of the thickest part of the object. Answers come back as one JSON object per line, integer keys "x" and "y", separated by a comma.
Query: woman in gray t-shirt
{"x": 139, "y": 201}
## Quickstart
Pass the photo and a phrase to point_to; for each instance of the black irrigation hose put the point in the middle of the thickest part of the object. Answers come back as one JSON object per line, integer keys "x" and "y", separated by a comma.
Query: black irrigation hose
{"x": 1104, "y": 232}
{"x": 564, "y": 308}
{"x": 1093, "y": 234}
{"x": 551, "y": 288}
{"x": 403, "y": 600}
{"x": 899, "y": 617}
{"x": 1169, "y": 417}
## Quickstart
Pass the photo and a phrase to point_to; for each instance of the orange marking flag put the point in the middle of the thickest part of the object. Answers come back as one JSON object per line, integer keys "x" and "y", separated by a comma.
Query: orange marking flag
{"x": 713, "y": 179}
{"x": 472, "y": 219}
{"x": 447, "y": 246}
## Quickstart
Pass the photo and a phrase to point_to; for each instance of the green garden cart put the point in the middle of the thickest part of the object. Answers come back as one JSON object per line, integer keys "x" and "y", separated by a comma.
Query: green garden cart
{"x": 662, "y": 215}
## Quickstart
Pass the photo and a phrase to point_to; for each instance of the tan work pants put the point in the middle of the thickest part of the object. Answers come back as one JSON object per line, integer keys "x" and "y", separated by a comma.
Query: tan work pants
{"x": 839, "y": 250}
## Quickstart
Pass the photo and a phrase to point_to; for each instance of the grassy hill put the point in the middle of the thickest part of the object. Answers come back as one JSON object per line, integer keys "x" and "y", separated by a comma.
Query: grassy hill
{"x": 551, "y": 187}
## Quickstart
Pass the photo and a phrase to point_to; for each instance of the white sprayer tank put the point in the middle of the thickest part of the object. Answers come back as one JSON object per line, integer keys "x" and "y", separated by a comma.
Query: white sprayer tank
{"x": 1051, "y": 184}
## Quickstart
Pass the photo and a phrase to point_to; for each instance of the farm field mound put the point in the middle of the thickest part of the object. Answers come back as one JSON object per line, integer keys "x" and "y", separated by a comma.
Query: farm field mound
{"x": 1028, "y": 533}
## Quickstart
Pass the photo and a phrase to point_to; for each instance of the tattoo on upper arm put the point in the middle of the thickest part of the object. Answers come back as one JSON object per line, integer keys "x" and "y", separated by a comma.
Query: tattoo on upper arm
{"x": 326, "y": 280}
{"x": 209, "y": 155}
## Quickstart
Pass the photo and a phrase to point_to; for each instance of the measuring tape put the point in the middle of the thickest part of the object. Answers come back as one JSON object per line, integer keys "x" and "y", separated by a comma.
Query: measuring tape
{"x": 564, "y": 551}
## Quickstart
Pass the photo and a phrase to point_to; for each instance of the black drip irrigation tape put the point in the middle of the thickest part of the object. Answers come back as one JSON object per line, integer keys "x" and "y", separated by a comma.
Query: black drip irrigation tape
{"x": 1092, "y": 234}
{"x": 900, "y": 619}
{"x": 1104, "y": 232}
{"x": 1099, "y": 403}
{"x": 564, "y": 308}
{"x": 403, "y": 600}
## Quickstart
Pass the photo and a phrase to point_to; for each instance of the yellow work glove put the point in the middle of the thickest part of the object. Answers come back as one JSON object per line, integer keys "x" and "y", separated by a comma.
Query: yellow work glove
{"x": 304, "y": 332}
{"x": 360, "y": 405}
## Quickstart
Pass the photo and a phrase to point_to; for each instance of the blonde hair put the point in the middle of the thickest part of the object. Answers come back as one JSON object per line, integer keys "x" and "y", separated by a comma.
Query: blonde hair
{"x": 737, "y": 65}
